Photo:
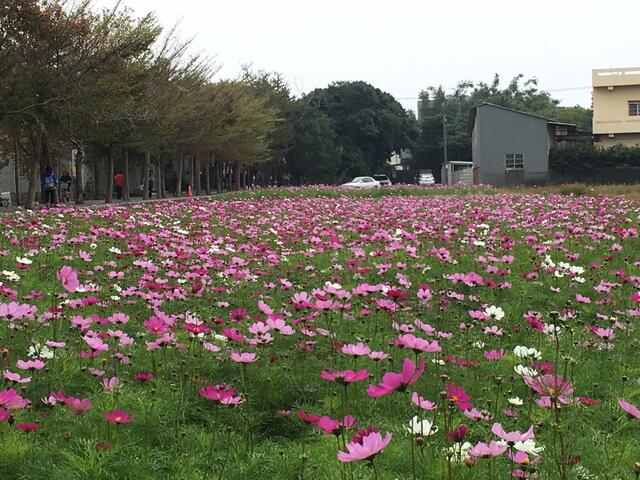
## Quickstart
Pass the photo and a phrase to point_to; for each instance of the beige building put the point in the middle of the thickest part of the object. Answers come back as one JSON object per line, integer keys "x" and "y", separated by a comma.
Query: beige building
{"x": 616, "y": 106}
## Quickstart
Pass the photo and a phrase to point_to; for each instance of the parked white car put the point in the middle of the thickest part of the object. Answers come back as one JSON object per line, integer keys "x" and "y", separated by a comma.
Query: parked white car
{"x": 382, "y": 179}
{"x": 426, "y": 179}
{"x": 362, "y": 182}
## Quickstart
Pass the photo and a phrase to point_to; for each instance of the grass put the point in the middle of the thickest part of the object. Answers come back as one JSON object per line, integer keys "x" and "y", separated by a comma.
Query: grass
{"x": 201, "y": 260}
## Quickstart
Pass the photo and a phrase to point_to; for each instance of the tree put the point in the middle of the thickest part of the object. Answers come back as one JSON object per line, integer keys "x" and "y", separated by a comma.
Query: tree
{"x": 369, "y": 125}
{"x": 315, "y": 153}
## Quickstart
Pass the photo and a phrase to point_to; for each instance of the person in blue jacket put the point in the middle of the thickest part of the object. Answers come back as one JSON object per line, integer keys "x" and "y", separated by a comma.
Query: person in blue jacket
{"x": 49, "y": 184}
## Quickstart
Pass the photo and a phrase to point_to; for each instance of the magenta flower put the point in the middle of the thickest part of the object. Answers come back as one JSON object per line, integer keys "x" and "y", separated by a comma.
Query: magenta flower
{"x": 370, "y": 446}
{"x": 457, "y": 434}
{"x": 144, "y": 377}
{"x": 424, "y": 404}
{"x": 28, "y": 427}
{"x": 397, "y": 381}
{"x": 345, "y": 376}
{"x": 69, "y": 278}
{"x": 459, "y": 396}
{"x": 221, "y": 393}
{"x": 118, "y": 417}
{"x": 4, "y": 415}
{"x": 512, "y": 437}
{"x": 156, "y": 326}
{"x": 485, "y": 450}
{"x": 632, "y": 410}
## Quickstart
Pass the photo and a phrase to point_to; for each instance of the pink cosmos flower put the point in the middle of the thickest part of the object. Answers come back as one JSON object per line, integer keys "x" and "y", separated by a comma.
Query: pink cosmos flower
{"x": 369, "y": 446}
{"x": 110, "y": 384}
{"x": 118, "y": 417}
{"x": 144, "y": 377}
{"x": 11, "y": 400}
{"x": 78, "y": 405}
{"x": 552, "y": 386}
{"x": 156, "y": 326}
{"x": 378, "y": 356}
{"x": 221, "y": 393}
{"x": 4, "y": 415}
{"x": 30, "y": 364}
{"x": 397, "y": 381}
{"x": 345, "y": 376}
{"x": 632, "y": 410}
{"x": 356, "y": 350}
{"x": 475, "y": 414}
{"x": 69, "y": 278}
{"x": 484, "y": 450}
{"x": 14, "y": 377}
{"x": 606, "y": 333}
{"x": 245, "y": 357}
{"x": 493, "y": 355}
{"x": 512, "y": 437}
{"x": 419, "y": 401}
{"x": 459, "y": 396}
{"x": 417, "y": 344}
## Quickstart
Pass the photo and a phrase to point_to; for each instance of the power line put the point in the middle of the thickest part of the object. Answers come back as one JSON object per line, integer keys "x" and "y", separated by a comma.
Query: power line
{"x": 543, "y": 90}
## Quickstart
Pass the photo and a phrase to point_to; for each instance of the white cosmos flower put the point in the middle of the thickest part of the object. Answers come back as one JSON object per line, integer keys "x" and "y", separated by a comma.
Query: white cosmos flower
{"x": 220, "y": 338}
{"x": 115, "y": 250}
{"x": 24, "y": 260}
{"x": 495, "y": 312}
{"x": 93, "y": 246}
{"x": 576, "y": 270}
{"x": 515, "y": 401}
{"x": 478, "y": 344}
{"x": 525, "y": 371}
{"x": 578, "y": 279}
{"x": 479, "y": 243}
{"x": 423, "y": 428}
{"x": 524, "y": 352}
{"x": 551, "y": 329}
{"x": 463, "y": 450}
{"x": 11, "y": 276}
{"x": 528, "y": 446}
{"x": 438, "y": 362}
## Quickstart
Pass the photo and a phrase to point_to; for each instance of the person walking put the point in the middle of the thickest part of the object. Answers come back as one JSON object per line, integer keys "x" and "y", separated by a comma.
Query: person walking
{"x": 48, "y": 185}
{"x": 118, "y": 181}
{"x": 66, "y": 181}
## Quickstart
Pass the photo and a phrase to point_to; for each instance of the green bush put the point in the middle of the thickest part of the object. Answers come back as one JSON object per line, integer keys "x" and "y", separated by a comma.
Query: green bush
{"x": 586, "y": 156}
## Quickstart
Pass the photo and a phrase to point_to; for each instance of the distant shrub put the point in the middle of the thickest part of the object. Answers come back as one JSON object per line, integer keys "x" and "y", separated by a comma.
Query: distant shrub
{"x": 586, "y": 156}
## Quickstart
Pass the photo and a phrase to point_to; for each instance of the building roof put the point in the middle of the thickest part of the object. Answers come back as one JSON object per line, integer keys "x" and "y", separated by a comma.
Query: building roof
{"x": 472, "y": 115}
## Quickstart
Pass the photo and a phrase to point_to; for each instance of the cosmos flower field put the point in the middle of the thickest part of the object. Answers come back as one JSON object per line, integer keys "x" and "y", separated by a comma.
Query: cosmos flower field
{"x": 477, "y": 335}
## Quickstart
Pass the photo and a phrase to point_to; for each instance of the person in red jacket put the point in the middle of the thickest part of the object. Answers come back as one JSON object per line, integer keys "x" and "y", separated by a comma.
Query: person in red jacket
{"x": 118, "y": 180}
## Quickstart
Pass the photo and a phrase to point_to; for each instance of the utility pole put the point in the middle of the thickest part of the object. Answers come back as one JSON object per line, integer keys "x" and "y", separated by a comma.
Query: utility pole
{"x": 444, "y": 136}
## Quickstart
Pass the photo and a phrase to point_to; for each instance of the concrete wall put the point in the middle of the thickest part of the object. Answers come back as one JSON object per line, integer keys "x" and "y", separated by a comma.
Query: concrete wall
{"x": 626, "y": 139}
{"x": 611, "y": 110}
{"x": 499, "y": 132}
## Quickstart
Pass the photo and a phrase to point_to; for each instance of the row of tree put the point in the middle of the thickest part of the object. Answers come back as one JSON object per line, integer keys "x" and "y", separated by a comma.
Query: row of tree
{"x": 115, "y": 88}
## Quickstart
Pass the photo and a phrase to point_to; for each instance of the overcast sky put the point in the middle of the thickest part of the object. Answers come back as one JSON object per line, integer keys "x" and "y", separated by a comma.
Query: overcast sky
{"x": 403, "y": 46}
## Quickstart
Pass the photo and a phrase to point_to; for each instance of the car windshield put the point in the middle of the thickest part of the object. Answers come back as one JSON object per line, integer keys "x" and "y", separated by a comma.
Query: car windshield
{"x": 380, "y": 177}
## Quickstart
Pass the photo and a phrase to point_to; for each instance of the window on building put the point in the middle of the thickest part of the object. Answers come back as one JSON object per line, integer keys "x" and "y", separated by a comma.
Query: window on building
{"x": 514, "y": 161}
{"x": 634, "y": 108}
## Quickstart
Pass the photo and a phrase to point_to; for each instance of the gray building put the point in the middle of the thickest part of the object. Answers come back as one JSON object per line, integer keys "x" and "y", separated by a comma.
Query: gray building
{"x": 509, "y": 147}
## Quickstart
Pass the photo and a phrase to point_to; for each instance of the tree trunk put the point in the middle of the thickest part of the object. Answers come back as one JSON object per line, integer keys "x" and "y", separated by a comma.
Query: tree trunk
{"x": 33, "y": 171}
{"x": 126, "y": 195}
{"x": 192, "y": 166}
{"x": 79, "y": 176}
{"x": 207, "y": 176}
{"x": 16, "y": 170}
{"x": 161, "y": 179}
{"x": 196, "y": 176}
{"x": 108, "y": 198}
{"x": 178, "y": 185}
{"x": 236, "y": 176}
{"x": 145, "y": 175}
{"x": 96, "y": 179}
